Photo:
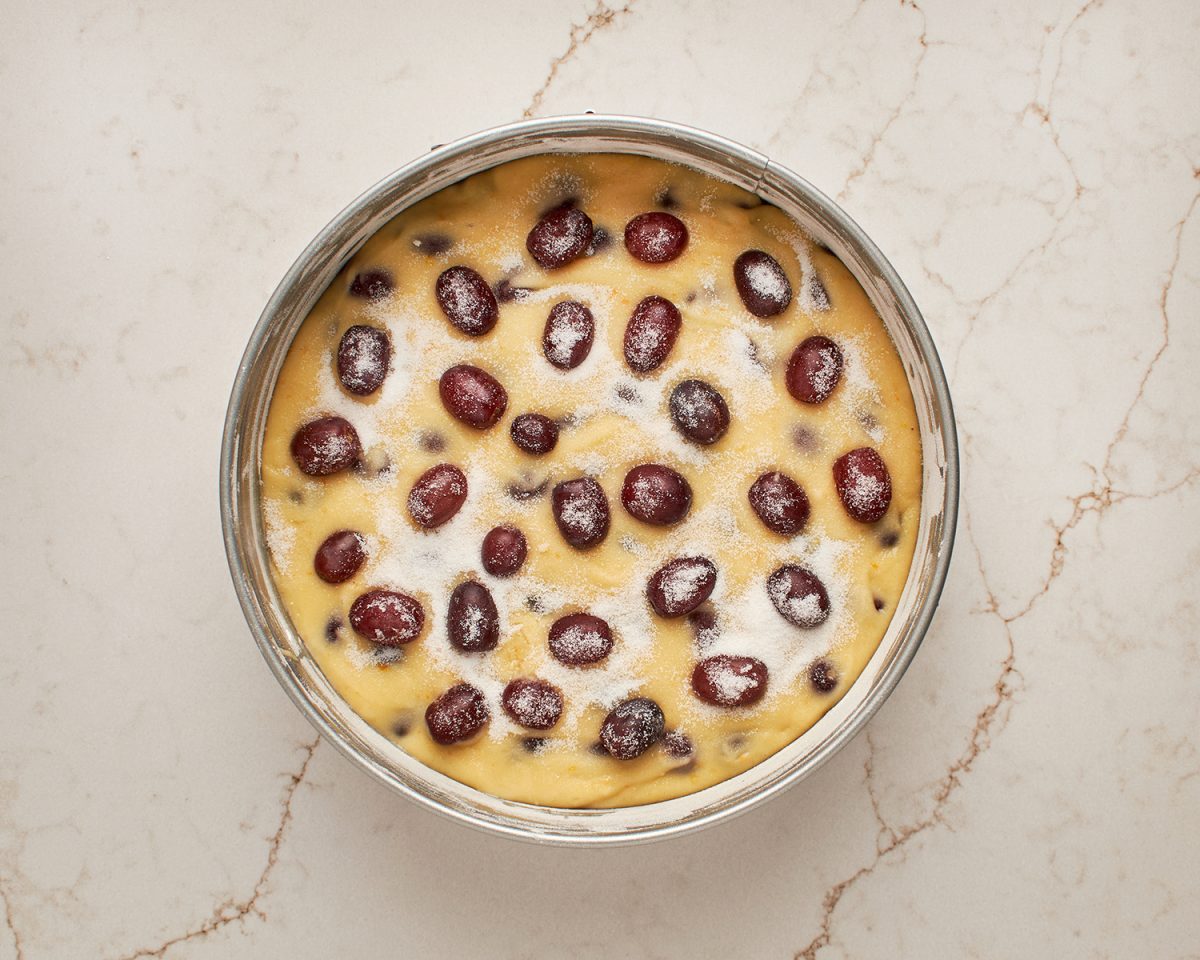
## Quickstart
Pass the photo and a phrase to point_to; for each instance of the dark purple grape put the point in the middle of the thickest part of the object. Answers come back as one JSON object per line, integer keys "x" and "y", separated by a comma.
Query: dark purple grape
{"x": 562, "y": 235}
{"x": 340, "y": 556}
{"x": 437, "y": 495}
{"x": 601, "y": 240}
{"x": 325, "y": 446}
{"x": 628, "y": 393}
{"x": 729, "y": 681}
{"x": 666, "y": 199}
{"x": 656, "y": 494}
{"x": 761, "y": 283}
{"x": 799, "y": 596}
{"x": 863, "y": 484}
{"x": 867, "y": 419}
{"x": 814, "y": 369}
{"x": 681, "y": 585}
{"x": 363, "y": 356}
{"x": 374, "y": 284}
{"x": 705, "y": 626}
{"x": 752, "y": 351}
{"x": 504, "y": 550}
{"x": 473, "y": 396}
{"x": 467, "y": 300}
{"x": 566, "y": 203}
{"x": 507, "y": 293}
{"x": 534, "y": 433}
{"x": 402, "y": 725}
{"x": 823, "y": 676}
{"x": 527, "y": 487}
{"x": 632, "y": 728}
{"x": 579, "y": 639}
{"x": 432, "y": 244}
{"x": 567, "y": 338}
{"x": 431, "y": 441}
{"x": 678, "y": 744}
{"x": 780, "y": 502}
{"x": 457, "y": 715}
{"x": 472, "y": 621}
{"x": 805, "y": 438}
{"x": 387, "y": 618}
{"x": 581, "y": 511}
{"x": 534, "y": 704}
{"x": 699, "y": 411}
{"x": 650, "y": 333}
{"x": 655, "y": 237}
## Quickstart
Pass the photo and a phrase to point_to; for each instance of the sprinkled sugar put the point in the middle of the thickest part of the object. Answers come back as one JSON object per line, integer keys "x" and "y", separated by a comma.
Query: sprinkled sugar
{"x": 728, "y": 682}
{"x": 568, "y": 333}
{"x": 533, "y": 703}
{"x": 803, "y": 609}
{"x": 461, "y": 293}
{"x": 765, "y": 280}
{"x": 474, "y": 622}
{"x": 428, "y": 565}
{"x": 511, "y": 262}
{"x": 826, "y": 375}
{"x": 581, "y": 645}
{"x": 364, "y": 355}
{"x": 656, "y": 240}
{"x": 862, "y": 491}
{"x": 683, "y": 582}
{"x": 749, "y": 624}
{"x": 584, "y": 515}
{"x": 281, "y": 536}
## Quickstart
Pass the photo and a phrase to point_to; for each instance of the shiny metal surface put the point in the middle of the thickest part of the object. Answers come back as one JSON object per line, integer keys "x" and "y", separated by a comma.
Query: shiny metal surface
{"x": 242, "y": 522}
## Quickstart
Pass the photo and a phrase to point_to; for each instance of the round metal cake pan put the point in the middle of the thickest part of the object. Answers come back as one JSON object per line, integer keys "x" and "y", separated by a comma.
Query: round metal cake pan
{"x": 242, "y": 521}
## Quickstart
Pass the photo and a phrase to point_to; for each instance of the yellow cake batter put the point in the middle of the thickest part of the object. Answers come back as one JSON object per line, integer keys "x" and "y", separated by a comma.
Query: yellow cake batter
{"x": 611, "y": 420}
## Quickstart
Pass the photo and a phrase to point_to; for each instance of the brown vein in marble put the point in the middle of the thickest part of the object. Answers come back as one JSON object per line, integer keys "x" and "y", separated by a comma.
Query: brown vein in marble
{"x": 1071, "y": 24}
{"x": 1010, "y": 678}
{"x": 1104, "y": 494}
{"x": 62, "y": 359}
{"x": 1164, "y": 295}
{"x": 869, "y": 776}
{"x": 1097, "y": 502}
{"x": 817, "y": 73}
{"x": 869, "y": 156}
{"x": 1005, "y": 687}
{"x": 18, "y": 943}
{"x": 1044, "y": 111}
{"x": 1032, "y": 254}
{"x": 601, "y": 17}
{"x": 233, "y": 911}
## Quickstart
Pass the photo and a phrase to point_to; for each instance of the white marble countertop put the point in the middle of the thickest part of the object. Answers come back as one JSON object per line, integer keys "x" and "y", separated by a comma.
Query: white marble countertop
{"x": 1032, "y": 788}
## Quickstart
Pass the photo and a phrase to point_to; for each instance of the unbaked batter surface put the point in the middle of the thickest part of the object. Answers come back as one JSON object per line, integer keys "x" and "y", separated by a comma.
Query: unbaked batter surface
{"x": 610, "y": 419}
